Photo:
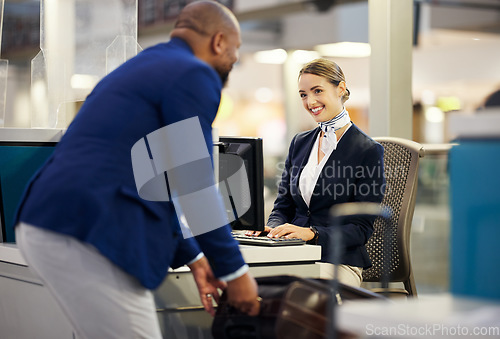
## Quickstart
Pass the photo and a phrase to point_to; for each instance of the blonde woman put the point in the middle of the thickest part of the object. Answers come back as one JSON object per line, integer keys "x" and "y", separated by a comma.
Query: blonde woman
{"x": 333, "y": 163}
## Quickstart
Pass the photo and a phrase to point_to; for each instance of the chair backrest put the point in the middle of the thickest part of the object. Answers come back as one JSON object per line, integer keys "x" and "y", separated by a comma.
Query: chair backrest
{"x": 392, "y": 236}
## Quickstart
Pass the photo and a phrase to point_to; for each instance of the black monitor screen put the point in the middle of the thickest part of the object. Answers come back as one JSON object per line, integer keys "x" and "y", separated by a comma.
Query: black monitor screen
{"x": 242, "y": 191}
{"x": 18, "y": 162}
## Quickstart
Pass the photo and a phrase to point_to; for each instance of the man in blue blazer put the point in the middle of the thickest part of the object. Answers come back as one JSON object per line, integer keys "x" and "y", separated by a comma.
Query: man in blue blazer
{"x": 82, "y": 225}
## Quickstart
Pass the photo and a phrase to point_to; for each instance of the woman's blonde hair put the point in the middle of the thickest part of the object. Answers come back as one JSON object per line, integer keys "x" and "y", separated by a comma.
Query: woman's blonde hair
{"x": 327, "y": 69}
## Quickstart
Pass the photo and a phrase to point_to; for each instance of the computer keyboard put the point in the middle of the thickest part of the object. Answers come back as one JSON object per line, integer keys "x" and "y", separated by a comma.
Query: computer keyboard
{"x": 265, "y": 241}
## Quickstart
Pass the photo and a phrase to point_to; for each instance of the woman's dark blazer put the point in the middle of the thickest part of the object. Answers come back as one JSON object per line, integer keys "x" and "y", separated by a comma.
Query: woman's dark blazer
{"x": 353, "y": 173}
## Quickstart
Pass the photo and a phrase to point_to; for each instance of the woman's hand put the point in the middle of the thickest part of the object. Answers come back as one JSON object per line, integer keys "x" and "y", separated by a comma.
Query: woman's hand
{"x": 291, "y": 231}
{"x": 257, "y": 233}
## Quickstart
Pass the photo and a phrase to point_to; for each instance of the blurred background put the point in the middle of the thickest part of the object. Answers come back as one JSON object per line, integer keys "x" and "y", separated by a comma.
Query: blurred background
{"x": 455, "y": 61}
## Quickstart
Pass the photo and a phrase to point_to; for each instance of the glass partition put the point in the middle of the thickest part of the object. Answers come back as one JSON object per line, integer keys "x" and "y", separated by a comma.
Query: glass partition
{"x": 430, "y": 234}
{"x": 4, "y": 64}
{"x": 80, "y": 42}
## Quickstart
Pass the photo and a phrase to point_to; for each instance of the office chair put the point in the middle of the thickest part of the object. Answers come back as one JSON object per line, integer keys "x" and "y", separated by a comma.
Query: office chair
{"x": 389, "y": 246}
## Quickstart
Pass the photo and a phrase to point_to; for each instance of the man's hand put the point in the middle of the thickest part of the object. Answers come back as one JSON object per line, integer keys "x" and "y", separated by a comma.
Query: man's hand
{"x": 242, "y": 294}
{"x": 207, "y": 284}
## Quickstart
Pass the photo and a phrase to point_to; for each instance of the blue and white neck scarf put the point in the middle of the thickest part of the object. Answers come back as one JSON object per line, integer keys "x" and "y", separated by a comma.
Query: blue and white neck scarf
{"x": 329, "y": 127}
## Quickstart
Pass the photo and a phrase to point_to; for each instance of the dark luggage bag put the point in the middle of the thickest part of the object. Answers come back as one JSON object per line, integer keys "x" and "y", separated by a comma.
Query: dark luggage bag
{"x": 291, "y": 307}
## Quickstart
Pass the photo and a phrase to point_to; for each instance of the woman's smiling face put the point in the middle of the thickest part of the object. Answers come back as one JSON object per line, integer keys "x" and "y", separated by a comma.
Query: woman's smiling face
{"x": 322, "y": 99}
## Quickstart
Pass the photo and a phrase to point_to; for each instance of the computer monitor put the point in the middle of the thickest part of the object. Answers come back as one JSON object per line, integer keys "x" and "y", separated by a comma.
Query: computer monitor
{"x": 233, "y": 151}
{"x": 19, "y": 160}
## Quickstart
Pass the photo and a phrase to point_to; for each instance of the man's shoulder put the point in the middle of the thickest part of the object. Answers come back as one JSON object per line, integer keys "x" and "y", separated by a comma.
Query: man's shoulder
{"x": 175, "y": 59}
{"x": 174, "y": 49}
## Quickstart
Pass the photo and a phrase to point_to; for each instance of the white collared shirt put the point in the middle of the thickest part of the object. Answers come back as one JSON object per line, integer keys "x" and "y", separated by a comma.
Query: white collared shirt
{"x": 312, "y": 170}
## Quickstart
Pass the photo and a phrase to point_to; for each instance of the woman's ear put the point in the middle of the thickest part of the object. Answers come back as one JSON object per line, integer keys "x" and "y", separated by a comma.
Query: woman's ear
{"x": 218, "y": 43}
{"x": 341, "y": 88}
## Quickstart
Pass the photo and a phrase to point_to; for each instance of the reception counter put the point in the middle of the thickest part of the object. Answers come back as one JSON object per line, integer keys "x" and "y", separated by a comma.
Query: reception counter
{"x": 29, "y": 311}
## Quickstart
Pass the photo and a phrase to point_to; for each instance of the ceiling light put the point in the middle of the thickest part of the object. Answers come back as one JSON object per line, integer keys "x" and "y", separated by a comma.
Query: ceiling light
{"x": 274, "y": 56}
{"x": 302, "y": 57}
{"x": 434, "y": 114}
{"x": 264, "y": 95}
{"x": 345, "y": 49}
